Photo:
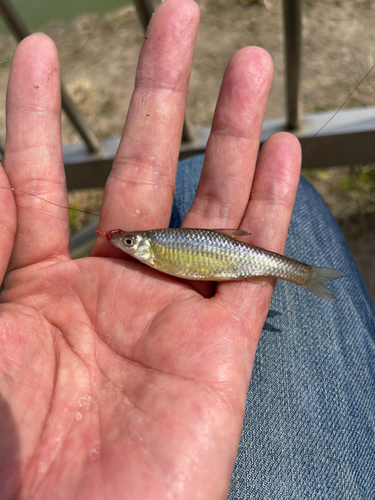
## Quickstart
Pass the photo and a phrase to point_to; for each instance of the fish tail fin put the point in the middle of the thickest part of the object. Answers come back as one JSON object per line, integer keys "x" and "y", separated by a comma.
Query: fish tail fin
{"x": 319, "y": 276}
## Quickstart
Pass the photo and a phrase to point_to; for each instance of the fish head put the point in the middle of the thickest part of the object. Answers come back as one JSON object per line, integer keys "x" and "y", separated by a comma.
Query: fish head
{"x": 136, "y": 244}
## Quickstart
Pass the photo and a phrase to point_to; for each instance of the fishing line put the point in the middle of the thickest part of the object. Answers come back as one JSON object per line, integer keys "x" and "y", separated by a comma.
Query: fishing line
{"x": 55, "y": 216}
{"x": 48, "y": 201}
{"x": 340, "y": 108}
{"x": 96, "y": 215}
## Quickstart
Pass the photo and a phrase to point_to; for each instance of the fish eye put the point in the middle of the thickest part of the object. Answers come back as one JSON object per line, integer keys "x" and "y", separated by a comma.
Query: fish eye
{"x": 129, "y": 241}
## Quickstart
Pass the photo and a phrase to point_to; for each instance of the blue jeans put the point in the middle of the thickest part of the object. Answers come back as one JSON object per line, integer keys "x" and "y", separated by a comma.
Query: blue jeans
{"x": 309, "y": 425}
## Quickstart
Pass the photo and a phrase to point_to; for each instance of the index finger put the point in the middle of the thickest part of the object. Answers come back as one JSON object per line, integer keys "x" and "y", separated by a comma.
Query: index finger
{"x": 33, "y": 155}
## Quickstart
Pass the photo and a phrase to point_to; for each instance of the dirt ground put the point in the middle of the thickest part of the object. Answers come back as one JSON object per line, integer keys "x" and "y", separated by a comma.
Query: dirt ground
{"x": 98, "y": 59}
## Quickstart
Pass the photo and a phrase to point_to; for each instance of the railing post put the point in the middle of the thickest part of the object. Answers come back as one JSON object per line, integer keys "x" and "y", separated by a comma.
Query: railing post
{"x": 20, "y": 30}
{"x": 2, "y": 147}
{"x": 145, "y": 9}
{"x": 92, "y": 142}
{"x": 292, "y": 37}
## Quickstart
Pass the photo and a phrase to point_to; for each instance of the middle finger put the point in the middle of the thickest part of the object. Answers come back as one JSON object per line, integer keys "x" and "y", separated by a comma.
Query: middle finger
{"x": 140, "y": 189}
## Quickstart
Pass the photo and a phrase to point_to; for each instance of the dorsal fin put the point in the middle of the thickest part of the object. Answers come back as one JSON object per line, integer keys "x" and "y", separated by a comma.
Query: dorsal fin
{"x": 233, "y": 233}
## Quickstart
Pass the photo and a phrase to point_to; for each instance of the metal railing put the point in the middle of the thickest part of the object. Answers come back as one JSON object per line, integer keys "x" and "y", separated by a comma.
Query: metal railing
{"x": 20, "y": 31}
{"x": 349, "y": 141}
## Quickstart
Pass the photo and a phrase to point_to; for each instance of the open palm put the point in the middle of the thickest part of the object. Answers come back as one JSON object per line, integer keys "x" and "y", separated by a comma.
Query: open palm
{"x": 117, "y": 381}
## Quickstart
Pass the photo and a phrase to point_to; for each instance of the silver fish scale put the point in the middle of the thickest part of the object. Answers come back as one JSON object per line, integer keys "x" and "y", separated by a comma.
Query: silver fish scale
{"x": 205, "y": 254}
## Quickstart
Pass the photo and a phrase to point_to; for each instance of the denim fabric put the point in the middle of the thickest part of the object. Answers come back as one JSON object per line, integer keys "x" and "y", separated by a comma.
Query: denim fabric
{"x": 309, "y": 425}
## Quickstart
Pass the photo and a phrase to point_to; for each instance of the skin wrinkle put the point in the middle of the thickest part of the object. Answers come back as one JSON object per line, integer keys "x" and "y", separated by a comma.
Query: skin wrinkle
{"x": 130, "y": 400}
{"x": 32, "y": 192}
{"x": 194, "y": 321}
{"x": 100, "y": 443}
{"x": 41, "y": 87}
{"x": 229, "y": 310}
{"x": 165, "y": 99}
{"x": 36, "y": 112}
{"x": 173, "y": 70}
{"x": 154, "y": 314}
{"x": 165, "y": 105}
{"x": 223, "y": 401}
{"x": 151, "y": 112}
{"x": 276, "y": 199}
{"x": 73, "y": 296}
{"x": 206, "y": 354}
{"x": 97, "y": 301}
{"x": 81, "y": 271}
{"x": 154, "y": 371}
{"x": 159, "y": 371}
{"x": 155, "y": 184}
{"x": 155, "y": 81}
{"x": 117, "y": 385}
{"x": 145, "y": 316}
{"x": 71, "y": 347}
{"x": 212, "y": 414}
{"x": 34, "y": 300}
{"x": 258, "y": 66}
{"x": 35, "y": 143}
{"x": 37, "y": 305}
{"x": 39, "y": 485}
{"x": 154, "y": 119}
{"x": 235, "y": 317}
{"x": 236, "y": 138}
{"x": 239, "y": 298}
{"x": 212, "y": 207}
{"x": 34, "y": 457}
{"x": 39, "y": 187}
{"x": 235, "y": 145}
{"x": 278, "y": 187}
{"x": 256, "y": 77}
{"x": 156, "y": 167}
{"x": 56, "y": 257}
{"x": 249, "y": 112}
{"x": 228, "y": 181}
{"x": 52, "y": 411}
{"x": 183, "y": 28}
{"x": 145, "y": 275}
{"x": 269, "y": 244}
{"x": 250, "y": 117}
{"x": 36, "y": 134}
{"x": 169, "y": 61}
{"x": 122, "y": 271}
{"x": 177, "y": 485}
{"x": 238, "y": 84}
{"x": 34, "y": 168}
{"x": 184, "y": 340}
{"x": 279, "y": 184}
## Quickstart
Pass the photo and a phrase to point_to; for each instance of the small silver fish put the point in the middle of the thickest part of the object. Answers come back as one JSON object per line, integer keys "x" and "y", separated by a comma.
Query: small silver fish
{"x": 215, "y": 255}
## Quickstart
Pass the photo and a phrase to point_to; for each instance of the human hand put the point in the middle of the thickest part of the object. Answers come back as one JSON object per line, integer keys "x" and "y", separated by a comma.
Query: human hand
{"x": 118, "y": 381}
